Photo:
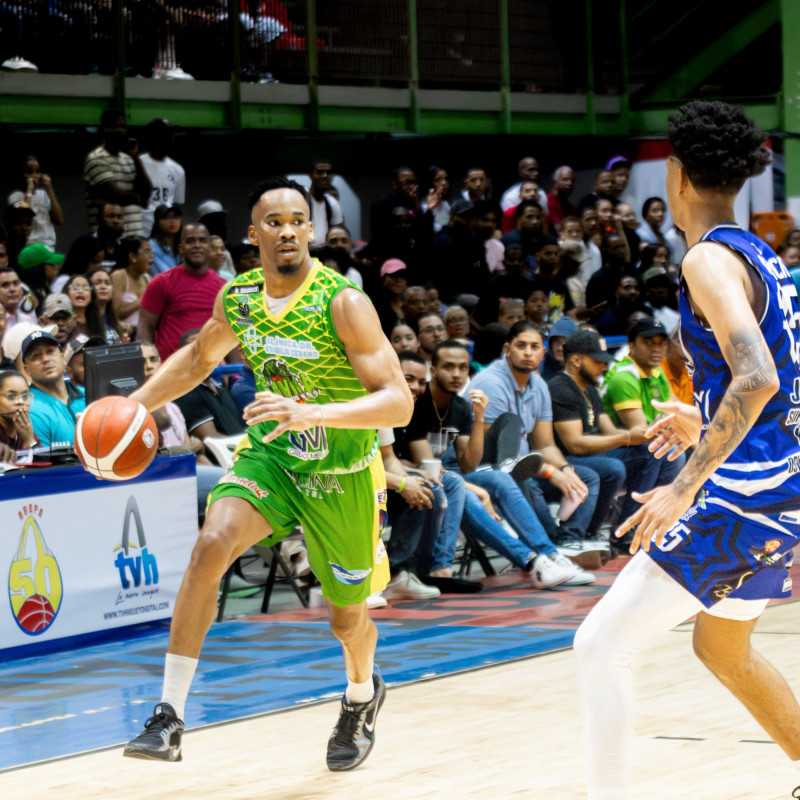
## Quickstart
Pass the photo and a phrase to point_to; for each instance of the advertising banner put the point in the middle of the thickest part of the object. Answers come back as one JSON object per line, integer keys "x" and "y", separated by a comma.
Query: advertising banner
{"x": 79, "y": 555}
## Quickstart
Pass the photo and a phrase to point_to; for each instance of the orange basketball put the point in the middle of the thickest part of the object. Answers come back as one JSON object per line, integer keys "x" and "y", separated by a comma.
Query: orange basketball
{"x": 116, "y": 438}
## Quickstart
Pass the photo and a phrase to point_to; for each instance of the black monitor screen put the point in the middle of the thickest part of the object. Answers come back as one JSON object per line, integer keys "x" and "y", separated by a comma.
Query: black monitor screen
{"x": 115, "y": 369}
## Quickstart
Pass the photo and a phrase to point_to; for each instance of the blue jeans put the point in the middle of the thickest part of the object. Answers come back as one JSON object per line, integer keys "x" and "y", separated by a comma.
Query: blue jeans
{"x": 207, "y": 479}
{"x": 513, "y": 506}
{"x": 611, "y": 471}
{"x": 540, "y": 492}
{"x": 504, "y": 440}
{"x": 414, "y": 531}
{"x": 444, "y": 545}
{"x": 644, "y": 472}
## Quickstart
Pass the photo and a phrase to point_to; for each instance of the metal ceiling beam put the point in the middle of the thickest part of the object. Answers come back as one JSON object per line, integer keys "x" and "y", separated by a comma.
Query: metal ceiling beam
{"x": 691, "y": 74}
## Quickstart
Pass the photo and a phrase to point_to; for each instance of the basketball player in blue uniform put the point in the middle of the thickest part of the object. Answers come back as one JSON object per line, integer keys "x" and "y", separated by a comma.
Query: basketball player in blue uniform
{"x": 718, "y": 541}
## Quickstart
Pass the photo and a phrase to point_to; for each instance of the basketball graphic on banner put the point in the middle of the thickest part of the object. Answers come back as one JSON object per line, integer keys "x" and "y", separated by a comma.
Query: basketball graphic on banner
{"x": 34, "y": 581}
{"x": 36, "y": 614}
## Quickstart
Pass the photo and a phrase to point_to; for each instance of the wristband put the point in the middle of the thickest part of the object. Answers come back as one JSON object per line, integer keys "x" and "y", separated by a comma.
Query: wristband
{"x": 402, "y": 485}
{"x": 547, "y": 471}
{"x": 566, "y": 466}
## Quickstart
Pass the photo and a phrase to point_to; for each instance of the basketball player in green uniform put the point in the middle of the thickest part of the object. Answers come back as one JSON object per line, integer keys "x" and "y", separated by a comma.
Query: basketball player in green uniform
{"x": 326, "y": 378}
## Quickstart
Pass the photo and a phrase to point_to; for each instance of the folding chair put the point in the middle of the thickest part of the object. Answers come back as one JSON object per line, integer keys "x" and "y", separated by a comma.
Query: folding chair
{"x": 473, "y": 550}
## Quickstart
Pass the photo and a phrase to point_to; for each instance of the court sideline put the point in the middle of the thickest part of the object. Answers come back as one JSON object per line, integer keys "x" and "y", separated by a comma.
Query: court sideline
{"x": 508, "y": 731}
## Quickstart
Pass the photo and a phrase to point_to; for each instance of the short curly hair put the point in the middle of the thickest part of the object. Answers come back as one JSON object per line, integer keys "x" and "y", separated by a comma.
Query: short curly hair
{"x": 276, "y": 182}
{"x": 718, "y": 145}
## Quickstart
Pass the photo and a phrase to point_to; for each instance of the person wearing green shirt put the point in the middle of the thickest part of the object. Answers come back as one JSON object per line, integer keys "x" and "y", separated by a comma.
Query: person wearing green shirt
{"x": 631, "y": 385}
{"x": 628, "y": 391}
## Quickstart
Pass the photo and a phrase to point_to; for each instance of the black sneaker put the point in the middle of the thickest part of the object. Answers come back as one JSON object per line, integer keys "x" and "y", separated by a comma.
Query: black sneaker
{"x": 354, "y": 734}
{"x": 161, "y": 738}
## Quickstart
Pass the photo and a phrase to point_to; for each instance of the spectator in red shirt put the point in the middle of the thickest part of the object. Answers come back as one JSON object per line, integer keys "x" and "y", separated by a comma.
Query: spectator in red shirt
{"x": 181, "y": 298}
{"x": 559, "y": 206}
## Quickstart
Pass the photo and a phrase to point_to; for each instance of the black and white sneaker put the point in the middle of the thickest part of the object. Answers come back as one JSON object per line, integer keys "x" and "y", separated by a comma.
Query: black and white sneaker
{"x": 161, "y": 738}
{"x": 527, "y": 466}
{"x": 354, "y": 734}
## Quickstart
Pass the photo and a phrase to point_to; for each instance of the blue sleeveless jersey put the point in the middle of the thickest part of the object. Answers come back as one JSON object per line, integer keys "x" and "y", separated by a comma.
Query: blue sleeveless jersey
{"x": 762, "y": 475}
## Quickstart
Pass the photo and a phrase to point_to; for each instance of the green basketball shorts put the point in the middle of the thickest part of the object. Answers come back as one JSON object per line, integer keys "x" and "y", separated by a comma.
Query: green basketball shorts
{"x": 343, "y": 518}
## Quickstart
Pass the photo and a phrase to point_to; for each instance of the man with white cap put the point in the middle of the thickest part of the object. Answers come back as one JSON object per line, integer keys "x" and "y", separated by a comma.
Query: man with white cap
{"x": 56, "y": 402}
{"x": 57, "y": 310}
{"x": 12, "y": 341}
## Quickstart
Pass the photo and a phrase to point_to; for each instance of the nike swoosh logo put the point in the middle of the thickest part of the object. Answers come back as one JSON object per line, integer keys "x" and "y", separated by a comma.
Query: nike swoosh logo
{"x": 369, "y": 728}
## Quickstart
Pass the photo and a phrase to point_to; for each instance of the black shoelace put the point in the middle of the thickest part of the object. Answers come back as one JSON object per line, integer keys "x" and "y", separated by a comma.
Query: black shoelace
{"x": 348, "y": 726}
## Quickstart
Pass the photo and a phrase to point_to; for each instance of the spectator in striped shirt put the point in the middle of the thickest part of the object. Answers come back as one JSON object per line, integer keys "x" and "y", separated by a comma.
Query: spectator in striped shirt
{"x": 113, "y": 172}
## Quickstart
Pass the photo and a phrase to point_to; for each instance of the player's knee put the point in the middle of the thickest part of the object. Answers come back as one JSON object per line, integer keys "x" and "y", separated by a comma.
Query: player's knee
{"x": 588, "y": 648}
{"x": 721, "y": 661}
{"x": 348, "y": 622}
{"x": 213, "y": 552}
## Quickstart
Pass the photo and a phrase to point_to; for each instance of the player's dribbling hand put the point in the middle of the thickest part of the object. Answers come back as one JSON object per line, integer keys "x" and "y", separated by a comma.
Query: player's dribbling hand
{"x": 289, "y": 414}
{"x": 661, "y": 508}
{"x": 676, "y": 431}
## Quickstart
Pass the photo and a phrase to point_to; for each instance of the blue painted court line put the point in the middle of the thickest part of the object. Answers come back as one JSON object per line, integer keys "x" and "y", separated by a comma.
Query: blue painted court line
{"x": 98, "y": 696}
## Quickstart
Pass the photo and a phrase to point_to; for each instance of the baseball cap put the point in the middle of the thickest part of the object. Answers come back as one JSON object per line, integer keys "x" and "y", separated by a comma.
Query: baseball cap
{"x": 54, "y": 303}
{"x": 162, "y": 211}
{"x": 36, "y": 336}
{"x": 646, "y": 327}
{"x": 159, "y": 123}
{"x": 210, "y": 207}
{"x": 462, "y": 208}
{"x": 588, "y": 343}
{"x": 573, "y": 249}
{"x": 392, "y": 265}
{"x": 77, "y": 344}
{"x": 617, "y": 161}
{"x": 654, "y": 272}
{"x": 20, "y": 207}
{"x": 35, "y": 254}
{"x": 12, "y": 341}
{"x": 563, "y": 327}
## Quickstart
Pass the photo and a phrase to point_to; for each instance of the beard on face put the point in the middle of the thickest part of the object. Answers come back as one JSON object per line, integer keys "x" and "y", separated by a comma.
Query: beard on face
{"x": 588, "y": 377}
{"x": 520, "y": 368}
{"x": 288, "y": 269}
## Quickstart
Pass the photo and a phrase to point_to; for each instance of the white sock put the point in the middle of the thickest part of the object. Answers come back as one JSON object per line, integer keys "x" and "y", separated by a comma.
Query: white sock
{"x": 178, "y": 674}
{"x": 360, "y": 692}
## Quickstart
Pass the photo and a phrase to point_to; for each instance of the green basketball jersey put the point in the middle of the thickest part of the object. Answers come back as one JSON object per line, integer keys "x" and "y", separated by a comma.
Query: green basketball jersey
{"x": 298, "y": 354}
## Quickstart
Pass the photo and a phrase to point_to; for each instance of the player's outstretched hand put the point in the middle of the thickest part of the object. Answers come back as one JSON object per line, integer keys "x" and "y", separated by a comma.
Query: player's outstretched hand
{"x": 661, "y": 508}
{"x": 289, "y": 414}
{"x": 674, "y": 432}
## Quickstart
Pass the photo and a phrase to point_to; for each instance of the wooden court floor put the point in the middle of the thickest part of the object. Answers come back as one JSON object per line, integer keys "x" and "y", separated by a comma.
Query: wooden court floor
{"x": 510, "y": 731}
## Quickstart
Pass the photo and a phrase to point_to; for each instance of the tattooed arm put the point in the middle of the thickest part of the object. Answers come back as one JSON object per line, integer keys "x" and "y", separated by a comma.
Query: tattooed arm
{"x": 721, "y": 293}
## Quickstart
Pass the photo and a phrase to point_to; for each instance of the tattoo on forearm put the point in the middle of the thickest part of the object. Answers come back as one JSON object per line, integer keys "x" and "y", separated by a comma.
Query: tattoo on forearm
{"x": 752, "y": 369}
{"x": 762, "y": 377}
{"x": 744, "y": 351}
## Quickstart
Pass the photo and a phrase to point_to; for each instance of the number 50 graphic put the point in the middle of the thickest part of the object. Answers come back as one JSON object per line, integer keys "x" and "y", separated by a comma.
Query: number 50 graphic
{"x": 34, "y": 581}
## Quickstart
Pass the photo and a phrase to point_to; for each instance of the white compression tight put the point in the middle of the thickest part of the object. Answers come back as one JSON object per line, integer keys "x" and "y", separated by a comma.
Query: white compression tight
{"x": 643, "y": 603}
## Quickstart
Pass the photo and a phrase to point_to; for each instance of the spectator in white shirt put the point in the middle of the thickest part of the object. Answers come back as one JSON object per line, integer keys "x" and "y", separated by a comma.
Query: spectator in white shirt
{"x": 167, "y": 176}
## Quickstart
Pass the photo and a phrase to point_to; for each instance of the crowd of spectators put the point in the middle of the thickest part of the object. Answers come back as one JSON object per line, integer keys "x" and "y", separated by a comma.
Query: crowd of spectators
{"x": 530, "y": 424}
